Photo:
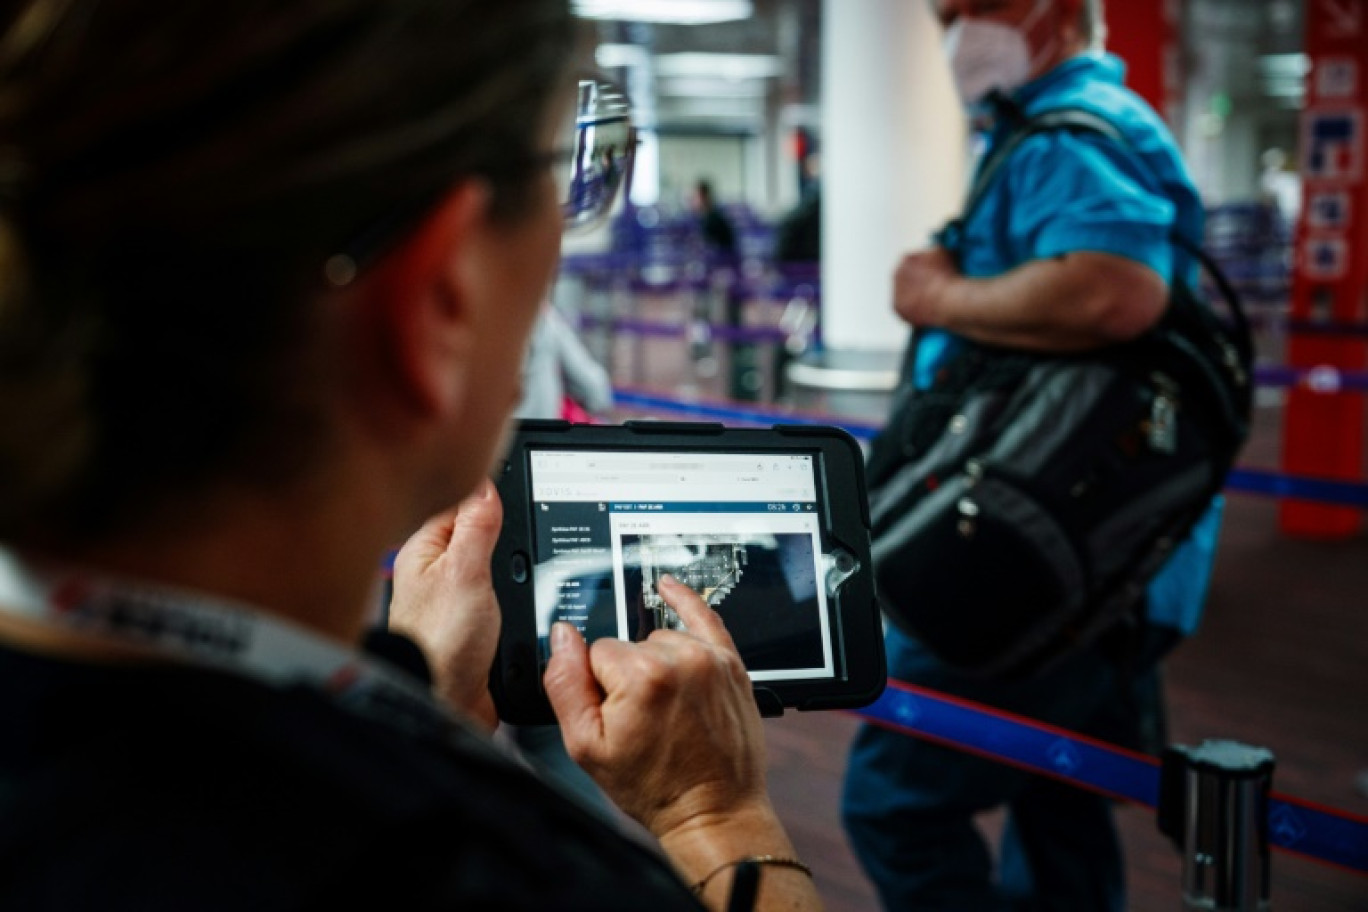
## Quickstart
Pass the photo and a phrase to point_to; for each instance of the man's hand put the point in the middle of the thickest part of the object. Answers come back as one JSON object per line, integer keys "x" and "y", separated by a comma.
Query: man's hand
{"x": 444, "y": 600}
{"x": 920, "y": 286}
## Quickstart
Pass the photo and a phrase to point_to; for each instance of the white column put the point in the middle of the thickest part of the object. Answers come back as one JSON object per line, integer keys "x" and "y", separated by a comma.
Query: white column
{"x": 641, "y": 87}
{"x": 892, "y": 159}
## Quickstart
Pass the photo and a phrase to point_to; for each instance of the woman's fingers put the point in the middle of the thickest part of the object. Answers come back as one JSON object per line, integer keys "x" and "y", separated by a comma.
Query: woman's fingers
{"x": 698, "y": 616}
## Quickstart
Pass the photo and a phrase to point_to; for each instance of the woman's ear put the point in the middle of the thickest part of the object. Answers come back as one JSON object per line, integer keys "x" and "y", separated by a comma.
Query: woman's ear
{"x": 419, "y": 305}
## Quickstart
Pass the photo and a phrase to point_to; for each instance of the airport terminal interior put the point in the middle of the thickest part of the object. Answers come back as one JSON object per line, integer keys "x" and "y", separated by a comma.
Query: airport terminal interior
{"x": 759, "y": 100}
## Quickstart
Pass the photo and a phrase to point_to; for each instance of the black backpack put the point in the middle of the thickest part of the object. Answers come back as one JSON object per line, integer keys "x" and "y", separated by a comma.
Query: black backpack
{"x": 1021, "y": 505}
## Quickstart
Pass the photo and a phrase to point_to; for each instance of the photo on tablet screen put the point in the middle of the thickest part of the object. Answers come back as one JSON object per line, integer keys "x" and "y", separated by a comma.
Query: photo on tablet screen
{"x": 763, "y": 585}
{"x": 741, "y": 530}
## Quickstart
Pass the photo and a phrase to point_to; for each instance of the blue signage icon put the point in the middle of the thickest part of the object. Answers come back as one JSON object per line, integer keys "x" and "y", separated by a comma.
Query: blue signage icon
{"x": 1326, "y": 258}
{"x": 907, "y": 710}
{"x": 1329, "y": 209}
{"x": 1064, "y": 757}
{"x": 1286, "y": 825}
{"x": 1334, "y": 146}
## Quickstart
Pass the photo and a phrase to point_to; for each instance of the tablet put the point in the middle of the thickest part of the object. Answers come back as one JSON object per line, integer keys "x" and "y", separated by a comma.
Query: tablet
{"x": 769, "y": 526}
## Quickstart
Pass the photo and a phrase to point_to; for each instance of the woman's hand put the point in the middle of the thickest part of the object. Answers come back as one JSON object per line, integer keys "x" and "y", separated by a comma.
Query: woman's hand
{"x": 444, "y": 600}
{"x": 668, "y": 727}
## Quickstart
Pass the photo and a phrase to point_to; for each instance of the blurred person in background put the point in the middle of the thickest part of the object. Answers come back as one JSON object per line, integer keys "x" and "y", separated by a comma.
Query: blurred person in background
{"x": 561, "y": 378}
{"x": 798, "y": 236}
{"x": 727, "y": 305}
{"x": 798, "y": 253}
{"x": 1280, "y": 186}
{"x": 719, "y": 236}
{"x": 266, "y": 274}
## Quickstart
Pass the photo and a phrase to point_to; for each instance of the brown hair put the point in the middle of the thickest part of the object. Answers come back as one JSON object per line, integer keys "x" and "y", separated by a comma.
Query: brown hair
{"x": 172, "y": 179}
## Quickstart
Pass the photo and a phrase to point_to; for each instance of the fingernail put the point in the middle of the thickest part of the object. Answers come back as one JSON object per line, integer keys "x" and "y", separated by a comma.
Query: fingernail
{"x": 560, "y": 635}
{"x": 488, "y": 490}
{"x": 668, "y": 579}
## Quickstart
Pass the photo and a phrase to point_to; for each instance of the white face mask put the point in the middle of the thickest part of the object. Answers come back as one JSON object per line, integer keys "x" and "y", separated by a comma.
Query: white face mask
{"x": 989, "y": 55}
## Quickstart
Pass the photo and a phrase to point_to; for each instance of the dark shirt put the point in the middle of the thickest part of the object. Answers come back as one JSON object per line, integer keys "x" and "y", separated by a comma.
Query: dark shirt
{"x": 167, "y": 787}
{"x": 718, "y": 233}
{"x": 798, "y": 239}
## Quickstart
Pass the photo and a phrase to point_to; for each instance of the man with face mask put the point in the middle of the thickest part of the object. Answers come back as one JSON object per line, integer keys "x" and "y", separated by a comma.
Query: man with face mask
{"x": 1068, "y": 250}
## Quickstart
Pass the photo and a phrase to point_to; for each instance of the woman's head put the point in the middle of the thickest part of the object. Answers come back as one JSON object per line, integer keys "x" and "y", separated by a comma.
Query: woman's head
{"x": 173, "y": 180}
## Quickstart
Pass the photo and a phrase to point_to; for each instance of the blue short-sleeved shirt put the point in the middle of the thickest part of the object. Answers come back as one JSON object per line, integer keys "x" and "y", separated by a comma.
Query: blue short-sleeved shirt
{"x": 1063, "y": 192}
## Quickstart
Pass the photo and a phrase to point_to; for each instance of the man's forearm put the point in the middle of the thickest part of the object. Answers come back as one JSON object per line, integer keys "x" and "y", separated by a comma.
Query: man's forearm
{"x": 1070, "y": 303}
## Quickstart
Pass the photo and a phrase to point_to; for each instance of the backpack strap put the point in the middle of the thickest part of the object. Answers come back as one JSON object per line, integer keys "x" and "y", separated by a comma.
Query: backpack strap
{"x": 1072, "y": 119}
{"x": 1081, "y": 120}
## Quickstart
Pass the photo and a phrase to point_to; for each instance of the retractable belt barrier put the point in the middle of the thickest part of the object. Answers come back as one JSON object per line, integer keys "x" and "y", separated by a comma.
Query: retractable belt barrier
{"x": 674, "y": 330}
{"x": 1320, "y": 379}
{"x": 1275, "y": 484}
{"x": 1316, "y": 328}
{"x": 655, "y": 275}
{"x": 1244, "y": 481}
{"x": 1322, "y": 834}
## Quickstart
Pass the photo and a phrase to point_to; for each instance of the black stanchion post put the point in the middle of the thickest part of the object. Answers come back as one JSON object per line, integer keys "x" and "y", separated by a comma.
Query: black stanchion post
{"x": 1213, "y": 803}
{"x": 745, "y": 379}
{"x": 619, "y": 307}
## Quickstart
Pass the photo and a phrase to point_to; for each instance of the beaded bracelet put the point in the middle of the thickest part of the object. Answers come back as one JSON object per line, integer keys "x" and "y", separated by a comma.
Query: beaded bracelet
{"x": 779, "y": 861}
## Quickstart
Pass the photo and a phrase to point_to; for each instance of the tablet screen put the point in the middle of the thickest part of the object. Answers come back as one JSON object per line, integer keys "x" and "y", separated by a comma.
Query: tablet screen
{"x": 740, "y": 529}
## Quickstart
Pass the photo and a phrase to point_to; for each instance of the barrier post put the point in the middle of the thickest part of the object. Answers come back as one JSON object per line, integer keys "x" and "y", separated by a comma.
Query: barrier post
{"x": 1213, "y": 803}
{"x": 1323, "y": 429}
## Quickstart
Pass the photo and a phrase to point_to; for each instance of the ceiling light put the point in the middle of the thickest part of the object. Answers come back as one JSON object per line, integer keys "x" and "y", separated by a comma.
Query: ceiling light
{"x": 714, "y": 110}
{"x": 720, "y": 66}
{"x": 1285, "y": 64}
{"x": 710, "y": 87}
{"x": 678, "y": 12}
{"x": 1283, "y": 76}
{"x": 610, "y": 56}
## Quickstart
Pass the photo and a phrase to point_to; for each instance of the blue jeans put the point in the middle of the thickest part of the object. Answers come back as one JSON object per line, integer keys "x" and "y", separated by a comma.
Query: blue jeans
{"x": 909, "y": 805}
